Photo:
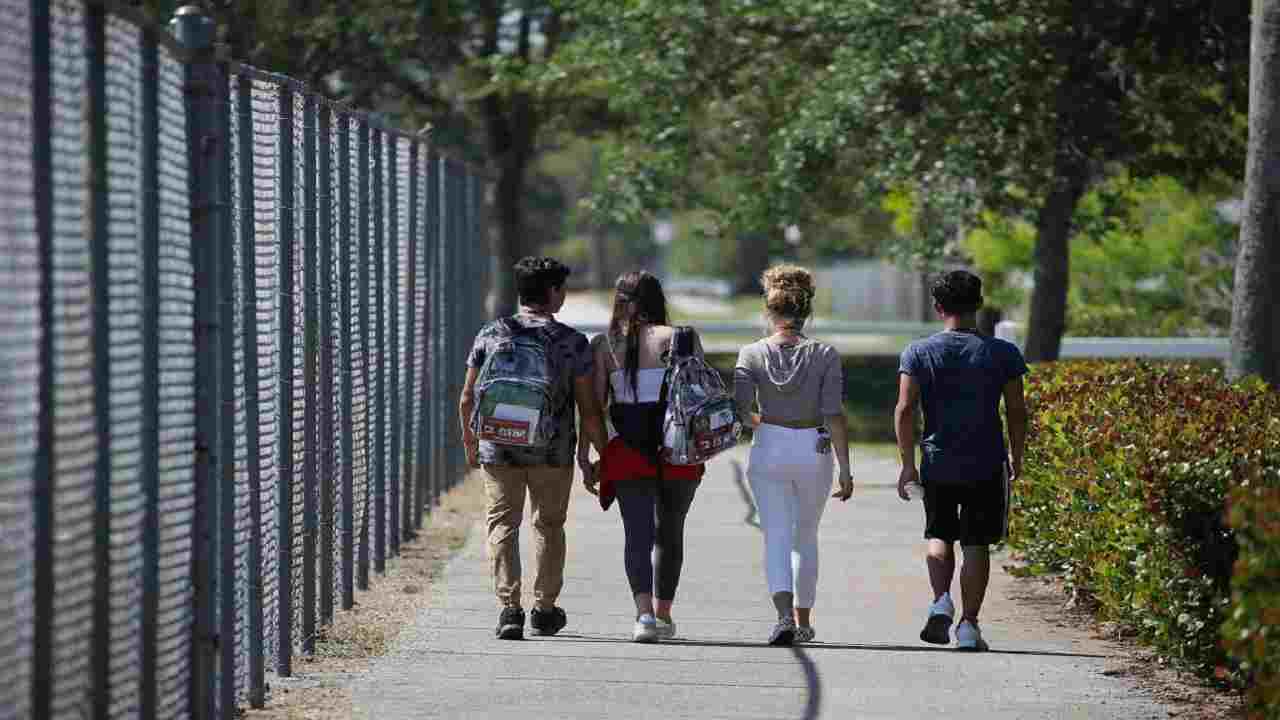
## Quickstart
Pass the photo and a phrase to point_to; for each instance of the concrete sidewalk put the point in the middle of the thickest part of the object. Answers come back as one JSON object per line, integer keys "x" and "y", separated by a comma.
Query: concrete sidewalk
{"x": 868, "y": 663}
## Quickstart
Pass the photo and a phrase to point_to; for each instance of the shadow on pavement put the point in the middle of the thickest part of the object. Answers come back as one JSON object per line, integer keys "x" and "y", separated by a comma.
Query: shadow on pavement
{"x": 819, "y": 646}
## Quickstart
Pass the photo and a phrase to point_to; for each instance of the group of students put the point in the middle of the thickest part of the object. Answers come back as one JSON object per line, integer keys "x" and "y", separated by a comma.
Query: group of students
{"x": 789, "y": 388}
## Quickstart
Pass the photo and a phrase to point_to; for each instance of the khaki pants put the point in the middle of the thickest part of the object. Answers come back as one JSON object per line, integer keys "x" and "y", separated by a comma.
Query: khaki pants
{"x": 548, "y": 489}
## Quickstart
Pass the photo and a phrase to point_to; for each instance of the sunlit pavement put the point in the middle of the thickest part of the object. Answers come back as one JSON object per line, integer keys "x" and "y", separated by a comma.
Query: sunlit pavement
{"x": 868, "y": 663}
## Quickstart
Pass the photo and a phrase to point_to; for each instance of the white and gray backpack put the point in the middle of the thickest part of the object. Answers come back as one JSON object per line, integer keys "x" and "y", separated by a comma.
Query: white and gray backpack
{"x": 518, "y": 390}
{"x": 701, "y": 421}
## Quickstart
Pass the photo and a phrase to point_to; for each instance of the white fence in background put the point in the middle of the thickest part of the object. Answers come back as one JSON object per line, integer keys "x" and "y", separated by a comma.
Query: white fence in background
{"x": 889, "y": 338}
{"x": 1213, "y": 348}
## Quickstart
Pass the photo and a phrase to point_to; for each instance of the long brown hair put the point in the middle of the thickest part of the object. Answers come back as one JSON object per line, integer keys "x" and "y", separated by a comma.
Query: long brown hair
{"x": 638, "y": 299}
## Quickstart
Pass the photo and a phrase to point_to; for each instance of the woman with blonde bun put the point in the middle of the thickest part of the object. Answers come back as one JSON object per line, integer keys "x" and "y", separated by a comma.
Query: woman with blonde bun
{"x": 797, "y": 384}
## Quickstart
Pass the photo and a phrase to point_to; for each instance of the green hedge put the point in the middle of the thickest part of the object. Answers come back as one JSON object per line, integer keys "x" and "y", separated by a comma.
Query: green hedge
{"x": 1155, "y": 489}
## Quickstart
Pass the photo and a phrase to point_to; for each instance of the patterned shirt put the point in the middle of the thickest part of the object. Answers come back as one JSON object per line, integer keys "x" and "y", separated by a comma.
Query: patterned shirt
{"x": 571, "y": 356}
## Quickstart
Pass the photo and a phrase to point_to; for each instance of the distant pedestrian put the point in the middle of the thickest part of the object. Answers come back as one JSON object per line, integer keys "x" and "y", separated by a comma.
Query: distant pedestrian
{"x": 798, "y": 384}
{"x": 959, "y": 376}
{"x": 524, "y": 375}
{"x": 631, "y": 361}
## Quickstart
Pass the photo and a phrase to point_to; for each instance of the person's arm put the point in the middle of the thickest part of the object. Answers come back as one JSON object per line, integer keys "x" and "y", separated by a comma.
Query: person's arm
{"x": 600, "y": 390}
{"x": 904, "y": 427}
{"x": 744, "y": 391}
{"x": 1015, "y": 410}
{"x": 831, "y": 399}
{"x": 839, "y": 426}
{"x": 592, "y": 420}
{"x": 466, "y": 406}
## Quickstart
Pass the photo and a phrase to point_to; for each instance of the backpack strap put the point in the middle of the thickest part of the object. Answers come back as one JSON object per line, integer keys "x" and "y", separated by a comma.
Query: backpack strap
{"x": 673, "y": 357}
{"x": 682, "y": 346}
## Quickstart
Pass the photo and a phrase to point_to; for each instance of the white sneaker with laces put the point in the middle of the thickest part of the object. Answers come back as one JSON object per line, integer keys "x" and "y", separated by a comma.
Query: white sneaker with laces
{"x": 937, "y": 629}
{"x": 969, "y": 637}
{"x": 666, "y": 629}
{"x": 646, "y": 629}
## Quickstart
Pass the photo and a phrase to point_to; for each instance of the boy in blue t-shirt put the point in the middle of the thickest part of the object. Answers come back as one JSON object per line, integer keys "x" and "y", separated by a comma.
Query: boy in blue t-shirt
{"x": 959, "y": 376}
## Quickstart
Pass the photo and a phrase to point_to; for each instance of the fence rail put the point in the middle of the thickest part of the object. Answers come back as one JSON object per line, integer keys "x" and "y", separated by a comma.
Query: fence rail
{"x": 230, "y": 316}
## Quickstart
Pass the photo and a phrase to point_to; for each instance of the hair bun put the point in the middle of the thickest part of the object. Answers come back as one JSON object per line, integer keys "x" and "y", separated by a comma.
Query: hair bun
{"x": 788, "y": 278}
{"x": 788, "y": 291}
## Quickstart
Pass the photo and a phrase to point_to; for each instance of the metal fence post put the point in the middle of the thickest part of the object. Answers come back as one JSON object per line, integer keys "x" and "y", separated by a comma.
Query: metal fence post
{"x": 442, "y": 330}
{"x": 380, "y": 342}
{"x": 362, "y": 264}
{"x": 42, "y": 171}
{"x": 195, "y": 32}
{"x": 412, "y": 412}
{"x": 149, "y": 462}
{"x": 431, "y": 394}
{"x": 249, "y": 315}
{"x": 226, "y": 495}
{"x": 348, "y": 369}
{"x": 392, "y": 294}
{"x": 311, "y": 330}
{"x": 95, "y": 27}
{"x": 326, "y": 368}
{"x": 285, "y": 479}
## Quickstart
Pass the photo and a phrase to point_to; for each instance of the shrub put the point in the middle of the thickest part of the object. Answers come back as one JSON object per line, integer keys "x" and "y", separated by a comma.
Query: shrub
{"x": 1128, "y": 473}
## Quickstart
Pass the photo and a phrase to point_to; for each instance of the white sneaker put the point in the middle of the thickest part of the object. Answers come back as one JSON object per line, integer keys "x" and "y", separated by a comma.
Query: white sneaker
{"x": 969, "y": 637}
{"x": 937, "y": 629}
{"x": 646, "y": 629}
{"x": 666, "y": 629}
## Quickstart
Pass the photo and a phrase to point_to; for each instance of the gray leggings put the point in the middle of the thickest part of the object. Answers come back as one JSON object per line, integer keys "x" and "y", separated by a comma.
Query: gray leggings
{"x": 653, "y": 518}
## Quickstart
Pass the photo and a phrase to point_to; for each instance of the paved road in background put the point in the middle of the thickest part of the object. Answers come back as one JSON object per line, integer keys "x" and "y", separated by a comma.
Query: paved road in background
{"x": 869, "y": 662}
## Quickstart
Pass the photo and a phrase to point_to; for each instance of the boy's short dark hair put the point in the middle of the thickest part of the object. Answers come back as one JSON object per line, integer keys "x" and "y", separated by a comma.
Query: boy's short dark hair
{"x": 958, "y": 292}
{"x": 536, "y": 276}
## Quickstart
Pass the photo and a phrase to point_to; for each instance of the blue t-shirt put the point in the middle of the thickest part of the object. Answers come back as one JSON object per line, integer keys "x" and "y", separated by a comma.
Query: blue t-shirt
{"x": 962, "y": 376}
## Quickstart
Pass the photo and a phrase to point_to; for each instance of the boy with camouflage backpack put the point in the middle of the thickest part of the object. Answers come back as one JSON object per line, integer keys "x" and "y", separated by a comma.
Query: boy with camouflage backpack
{"x": 525, "y": 375}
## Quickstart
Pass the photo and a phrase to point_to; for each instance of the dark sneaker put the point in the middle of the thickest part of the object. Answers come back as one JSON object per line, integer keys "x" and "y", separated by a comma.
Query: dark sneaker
{"x": 784, "y": 633}
{"x": 547, "y": 622}
{"x": 511, "y": 624}
{"x": 937, "y": 629}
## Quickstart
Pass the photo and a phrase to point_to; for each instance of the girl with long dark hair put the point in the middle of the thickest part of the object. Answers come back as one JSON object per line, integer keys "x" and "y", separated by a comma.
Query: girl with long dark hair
{"x": 654, "y": 497}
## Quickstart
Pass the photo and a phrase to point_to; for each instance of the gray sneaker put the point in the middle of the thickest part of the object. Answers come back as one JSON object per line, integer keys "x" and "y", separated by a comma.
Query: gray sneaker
{"x": 805, "y": 634}
{"x": 784, "y": 633}
{"x": 666, "y": 629}
{"x": 969, "y": 637}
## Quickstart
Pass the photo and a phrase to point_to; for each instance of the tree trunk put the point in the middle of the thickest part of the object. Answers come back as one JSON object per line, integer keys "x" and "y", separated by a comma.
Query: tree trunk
{"x": 1255, "y": 317}
{"x": 509, "y": 239}
{"x": 988, "y": 318}
{"x": 600, "y": 257}
{"x": 753, "y": 260}
{"x": 1048, "y": 320}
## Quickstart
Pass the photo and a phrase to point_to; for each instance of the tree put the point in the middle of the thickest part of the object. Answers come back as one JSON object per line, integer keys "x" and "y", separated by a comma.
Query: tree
{"x": 1014, "y": 105}
{"x": 1148, "y": 258}
{"x": 1255, "y": 318}
{"x": 482, "y": 75}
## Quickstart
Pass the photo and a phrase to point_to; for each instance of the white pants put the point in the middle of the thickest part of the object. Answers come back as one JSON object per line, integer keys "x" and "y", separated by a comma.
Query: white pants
{"x": 791, "y": 482}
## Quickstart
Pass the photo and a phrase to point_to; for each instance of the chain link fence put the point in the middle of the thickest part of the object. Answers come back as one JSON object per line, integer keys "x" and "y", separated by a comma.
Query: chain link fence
{"x": 231, "y": 317}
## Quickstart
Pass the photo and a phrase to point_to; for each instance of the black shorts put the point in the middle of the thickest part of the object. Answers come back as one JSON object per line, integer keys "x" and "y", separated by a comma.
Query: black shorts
{"x": 973, "y": 515}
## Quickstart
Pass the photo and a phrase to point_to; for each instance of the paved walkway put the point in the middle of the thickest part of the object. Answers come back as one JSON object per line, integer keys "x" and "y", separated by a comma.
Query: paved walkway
{"x": 869, "y": 663}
